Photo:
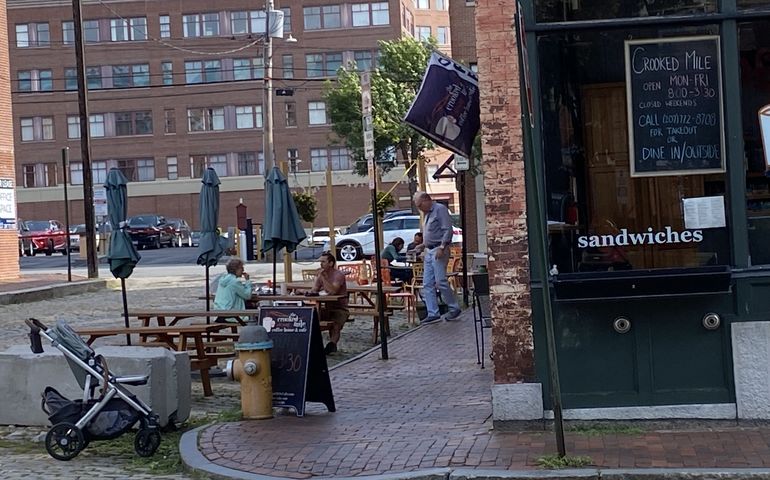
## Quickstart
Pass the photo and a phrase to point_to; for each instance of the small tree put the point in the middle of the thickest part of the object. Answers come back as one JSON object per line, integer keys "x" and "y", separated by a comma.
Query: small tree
{"x": 394, "y": 85}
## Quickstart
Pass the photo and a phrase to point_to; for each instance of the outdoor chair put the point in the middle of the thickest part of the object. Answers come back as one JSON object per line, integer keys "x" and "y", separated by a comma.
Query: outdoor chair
{"x": 456, "y": 281}
{"x": 482, "y": 315}
{"x": 309, "y": 274}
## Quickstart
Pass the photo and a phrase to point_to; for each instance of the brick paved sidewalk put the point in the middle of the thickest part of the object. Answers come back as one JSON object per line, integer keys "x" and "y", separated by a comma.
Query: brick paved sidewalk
{"x": 36, "y": 280}
{"x": 429, "y": 407}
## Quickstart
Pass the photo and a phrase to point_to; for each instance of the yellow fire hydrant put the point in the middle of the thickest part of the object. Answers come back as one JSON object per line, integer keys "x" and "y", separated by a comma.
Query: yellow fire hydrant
{"x": 252, "y": 370}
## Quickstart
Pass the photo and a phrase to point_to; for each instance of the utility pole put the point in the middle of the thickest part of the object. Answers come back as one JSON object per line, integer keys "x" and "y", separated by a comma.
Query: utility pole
{"x": 267, "y": 99}
{"x": 65, "y": 166}
{"x": 330, "y": 208}
{"x": 85, "y": 144}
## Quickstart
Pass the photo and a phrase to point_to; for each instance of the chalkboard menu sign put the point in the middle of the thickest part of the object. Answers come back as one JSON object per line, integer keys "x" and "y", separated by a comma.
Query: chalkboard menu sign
{"x": 298, "y": 363}
{"x": 675, "y": 118}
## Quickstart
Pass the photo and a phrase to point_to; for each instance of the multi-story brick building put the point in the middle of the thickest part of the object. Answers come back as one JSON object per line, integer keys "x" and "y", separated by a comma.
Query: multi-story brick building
{"x": 175, "y": 87}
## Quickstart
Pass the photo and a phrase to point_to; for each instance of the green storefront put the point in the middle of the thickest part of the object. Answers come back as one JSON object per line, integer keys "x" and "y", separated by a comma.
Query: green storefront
{"x": 647, "y": 142}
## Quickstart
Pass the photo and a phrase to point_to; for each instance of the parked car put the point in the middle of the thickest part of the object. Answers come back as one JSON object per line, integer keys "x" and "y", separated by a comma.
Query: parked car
{"x": 150, "y": 230}
{"x": 182, "y": 232}
{"x": 76, "y": 231}
{"x": 25, "y": 242}
{"x": 195, "y": 238}
{"x": 47, "y": 236}
{"x": 364, "y": 222}
{"x": 321, "y": 236}
{"x": 355, "y": 246}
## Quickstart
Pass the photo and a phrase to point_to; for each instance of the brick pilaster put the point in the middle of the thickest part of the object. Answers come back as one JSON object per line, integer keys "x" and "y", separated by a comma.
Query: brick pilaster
{"x": 503, "y": 164}
{"x": 9, "y": 257}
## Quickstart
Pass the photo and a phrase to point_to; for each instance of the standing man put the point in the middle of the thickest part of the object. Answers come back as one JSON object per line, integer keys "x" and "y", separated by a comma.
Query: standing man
{"x": 333, "y": 282}
{"x": 437, "y": 237}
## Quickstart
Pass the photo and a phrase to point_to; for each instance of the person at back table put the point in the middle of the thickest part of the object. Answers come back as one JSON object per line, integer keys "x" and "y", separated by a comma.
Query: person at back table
{"x": 333, "y": 282}
{"x": 392, "y": 254}
{"x": 437, "y": 237}
{"x": 415, "y": 242}
{"x": 232, "y": 293}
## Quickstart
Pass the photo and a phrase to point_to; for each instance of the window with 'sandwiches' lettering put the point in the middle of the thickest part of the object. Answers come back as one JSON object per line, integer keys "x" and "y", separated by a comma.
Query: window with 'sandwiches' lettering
{"x": 674, "y": 95}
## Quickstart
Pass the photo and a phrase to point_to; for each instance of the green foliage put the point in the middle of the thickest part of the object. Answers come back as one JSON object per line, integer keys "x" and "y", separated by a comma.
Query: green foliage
{"x": 394, "y": 85}
{"x": 384, "y": 202}
{"x": 555, "y": 462}
{"x": 307, "y": 206}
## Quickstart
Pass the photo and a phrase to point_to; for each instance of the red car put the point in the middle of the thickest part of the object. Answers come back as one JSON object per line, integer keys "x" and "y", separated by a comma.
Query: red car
{"x": 47, "y": 236}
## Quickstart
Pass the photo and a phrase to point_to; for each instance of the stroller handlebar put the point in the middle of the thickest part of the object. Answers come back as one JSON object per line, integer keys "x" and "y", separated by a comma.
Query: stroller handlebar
{"x": 35, "y": 326}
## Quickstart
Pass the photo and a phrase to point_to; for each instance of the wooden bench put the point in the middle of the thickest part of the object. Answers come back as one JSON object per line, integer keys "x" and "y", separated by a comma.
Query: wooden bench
{"x": 162, "y": 316}
{"x": 177, "y": 337}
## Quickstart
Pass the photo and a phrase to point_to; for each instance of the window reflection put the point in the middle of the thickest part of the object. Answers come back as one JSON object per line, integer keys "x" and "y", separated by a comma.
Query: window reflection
{"x": 573, "y": 10}
{"x": 599, "y": 217}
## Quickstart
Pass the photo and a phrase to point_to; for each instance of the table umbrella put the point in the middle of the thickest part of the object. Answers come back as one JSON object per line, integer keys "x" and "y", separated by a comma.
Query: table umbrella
{"x": 283, "y": 228}
{"x": 123, "y": 256}
{"x": 211, "y": 245}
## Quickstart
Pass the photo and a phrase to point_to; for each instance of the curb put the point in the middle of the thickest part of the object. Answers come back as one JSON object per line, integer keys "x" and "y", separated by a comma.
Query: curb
{"x": 52, "y": 291}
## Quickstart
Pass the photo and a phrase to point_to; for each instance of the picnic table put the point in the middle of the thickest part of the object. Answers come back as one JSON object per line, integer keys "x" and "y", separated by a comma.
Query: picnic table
{"x": 160, "y": 316}
{"x": 180, "y": 338}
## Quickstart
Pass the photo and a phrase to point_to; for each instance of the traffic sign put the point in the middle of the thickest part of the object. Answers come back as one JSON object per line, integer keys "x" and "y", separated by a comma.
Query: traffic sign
{"x": 462, "y": 163}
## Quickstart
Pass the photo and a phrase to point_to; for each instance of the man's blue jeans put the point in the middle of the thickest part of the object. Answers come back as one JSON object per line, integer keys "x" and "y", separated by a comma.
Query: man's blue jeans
{"x": 435, "y": 276}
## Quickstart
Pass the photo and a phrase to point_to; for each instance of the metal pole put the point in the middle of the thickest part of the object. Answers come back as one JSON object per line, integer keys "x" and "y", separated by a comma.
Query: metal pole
{"x": 463, "y": 226}
{"x": 85, "y": 143}
{"x": 267, "y": 100}
{"x": 64, "y": 164}
{"x": 378, "y": 274}
{"x": 330, "y": 208}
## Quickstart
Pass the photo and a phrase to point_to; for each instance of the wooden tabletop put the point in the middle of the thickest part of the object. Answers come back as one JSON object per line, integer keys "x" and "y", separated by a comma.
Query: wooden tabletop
{"x": 297, "y": 298}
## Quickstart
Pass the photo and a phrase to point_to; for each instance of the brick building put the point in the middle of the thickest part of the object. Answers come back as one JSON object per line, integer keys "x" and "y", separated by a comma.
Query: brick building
{"x": 9, "y": 259}
{"x": 175, "y": 87}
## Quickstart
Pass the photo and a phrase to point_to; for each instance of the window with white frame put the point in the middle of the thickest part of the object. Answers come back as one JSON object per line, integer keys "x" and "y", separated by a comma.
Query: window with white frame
{"x": 205, "y": 119}
{"x": 316, "y": 113}
{"x": 442, "y": 35}
{"x": 94, "y": 77}
{"x": 27, "y": 129}
{"x": 203, "y": 71}
{"x": 25, "y": 80}
{"x": 248, "y": 116}
{"x": 286, "y": 19}
{"x": 167, "y": 69}
{"x": 96, "y": 126}
{"x": 126, "y": 76}
{"x": 340, "y": 159}
{"x": 380, "y": 13}
{"x": 200, "y": 25}
{"x": 70, "y": 79}
{"x": 68, "y": 32}
{"x": 76, "y": 173}
{"x": 133, "y": 123}
{"x": 322, "y": 17}
{"x": 145, "y": 169}
{"x": 127, "y": 29}
{"x": 219, "y": 164}
{"x": 257, "y": 21}
{"x": 171, "y": 168}
{"x": 33, "y": 35}
{"x": 423, "y": 33}
{"x": 423, "y": 4}
{"x": 441, "y": 4}
{"x": 165, "y": 26}
{"x": 287, "y": 63}
{"x": 99, "y": 172}
{"x": 248, "y": 68}
{"x": 323, "y": 64}
{"x": 245, "y": 22}
{"x": 318, "y": 159}
{"x": 360, "y": 14}
{"x": 199, "y": 163}
{"x": 91, "y": 31}
{"x": 40, "y": 175}
{"x": 36, "y": 129}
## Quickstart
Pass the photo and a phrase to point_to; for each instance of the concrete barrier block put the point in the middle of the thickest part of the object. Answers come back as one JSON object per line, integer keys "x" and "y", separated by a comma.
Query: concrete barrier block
{"x": 751, "y": 369}
{"x": 25, "y": 375}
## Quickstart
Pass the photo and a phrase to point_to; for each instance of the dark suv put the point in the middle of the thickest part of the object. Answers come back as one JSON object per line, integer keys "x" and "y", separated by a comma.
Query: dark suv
{"x": 150, "y": 231}
{"x": 364, "y": 222}
{"x": 182, "y": 232}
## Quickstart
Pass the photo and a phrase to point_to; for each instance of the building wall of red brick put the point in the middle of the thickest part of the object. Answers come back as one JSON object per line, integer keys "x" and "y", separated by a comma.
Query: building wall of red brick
{"x": 9, "y": 243}
{"x": 502, "y": 144}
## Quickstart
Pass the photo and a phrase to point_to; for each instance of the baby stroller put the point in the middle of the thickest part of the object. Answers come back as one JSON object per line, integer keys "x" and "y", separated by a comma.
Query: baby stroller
{"x": 110, "y": 415}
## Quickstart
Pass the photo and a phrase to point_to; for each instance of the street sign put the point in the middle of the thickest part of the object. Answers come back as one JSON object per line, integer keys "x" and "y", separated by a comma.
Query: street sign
{"x": 366, "y": 101}
{"x": 7, "y": 204}
{"x": 100, "y": 202}
{"x": 462, "y": 163}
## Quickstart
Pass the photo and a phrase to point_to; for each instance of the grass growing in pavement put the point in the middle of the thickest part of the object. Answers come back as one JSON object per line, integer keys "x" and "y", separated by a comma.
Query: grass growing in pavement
{"x": 592, "y": 430}
{"x": 555, "y": 462}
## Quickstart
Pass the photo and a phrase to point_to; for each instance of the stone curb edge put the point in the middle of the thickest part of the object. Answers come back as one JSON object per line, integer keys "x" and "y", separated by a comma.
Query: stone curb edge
{"x": 52, "y": 291}
{"x": 194, "y": 461}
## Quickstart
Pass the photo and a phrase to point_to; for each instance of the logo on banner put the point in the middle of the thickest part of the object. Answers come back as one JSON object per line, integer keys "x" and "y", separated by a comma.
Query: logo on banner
{"x": 446, "y": 108}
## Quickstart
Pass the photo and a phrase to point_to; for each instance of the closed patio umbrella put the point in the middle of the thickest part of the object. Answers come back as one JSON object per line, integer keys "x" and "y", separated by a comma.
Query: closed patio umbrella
{"x": 210, "y": 246}
{"x": 123, "y": 256}
{"x": 283, "y": 228}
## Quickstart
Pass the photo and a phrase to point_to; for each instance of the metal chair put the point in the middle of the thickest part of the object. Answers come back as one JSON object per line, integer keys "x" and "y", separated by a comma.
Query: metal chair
{"x": 482, "y": 314}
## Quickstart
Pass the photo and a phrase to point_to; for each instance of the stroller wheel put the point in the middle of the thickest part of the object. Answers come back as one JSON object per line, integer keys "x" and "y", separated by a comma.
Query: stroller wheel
{"x": 147, "y": 441}
{"x": 64, "y": 441}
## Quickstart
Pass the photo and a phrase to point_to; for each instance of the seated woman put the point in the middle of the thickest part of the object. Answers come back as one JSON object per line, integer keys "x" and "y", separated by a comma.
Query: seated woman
{"x": 232, "y": 293}
{"x": 392, "y": 254}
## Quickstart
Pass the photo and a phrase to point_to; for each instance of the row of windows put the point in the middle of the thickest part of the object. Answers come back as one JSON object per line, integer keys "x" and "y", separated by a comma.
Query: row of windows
{"x": 210, "y": 24}
{"x": 437, "y": 4}
{"x": 205, "y": 119}
{"x": 37, "y": 175}
{"x": 195, "y": 71}
{"x": 424, "y": 33}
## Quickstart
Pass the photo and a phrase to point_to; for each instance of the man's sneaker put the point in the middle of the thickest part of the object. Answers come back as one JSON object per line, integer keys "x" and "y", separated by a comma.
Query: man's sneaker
{"x": 330, "y": 348}
{"x": 430, "y": 320}
{"x": 452, "y": 315}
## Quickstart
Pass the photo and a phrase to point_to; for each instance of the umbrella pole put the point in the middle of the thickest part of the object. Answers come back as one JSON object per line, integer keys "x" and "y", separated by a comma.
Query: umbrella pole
{"x": 208, "y": 307}
{"x": 275, "y": 252}
{"x": 125, "y": 308}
